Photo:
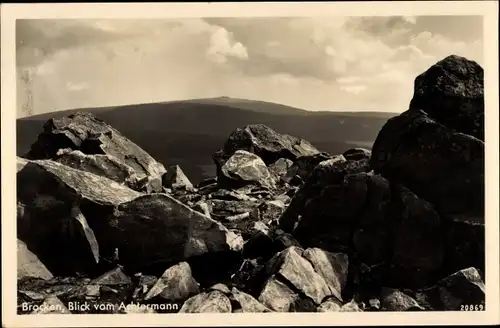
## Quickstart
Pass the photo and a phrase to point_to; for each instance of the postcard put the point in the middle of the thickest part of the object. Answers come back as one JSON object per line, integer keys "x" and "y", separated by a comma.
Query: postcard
{"x": 237, "y": 163}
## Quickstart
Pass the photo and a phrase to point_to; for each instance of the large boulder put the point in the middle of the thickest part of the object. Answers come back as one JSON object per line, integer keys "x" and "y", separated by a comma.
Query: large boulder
{"x": 341, "y": 210}
{"x": 327, "y": 174}
{"x": 84, "y": 132}
{"x": 441, "y": 165}
{"x": 265, "y": 143}
{"x": 436, "y": 148}
{"x": 452, "y": 93}
{"x": 55, "y": 203}
{"x": 156, "y": 228}
{"x": 244, "y": 168}
{"x": 444, "y": 167}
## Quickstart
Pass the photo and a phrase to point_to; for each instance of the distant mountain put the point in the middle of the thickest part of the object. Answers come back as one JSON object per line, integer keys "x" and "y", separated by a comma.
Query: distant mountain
{"x": 188, "y": 132}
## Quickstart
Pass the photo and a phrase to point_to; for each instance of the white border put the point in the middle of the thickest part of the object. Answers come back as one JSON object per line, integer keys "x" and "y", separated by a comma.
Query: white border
{"x": 10, "y": 12}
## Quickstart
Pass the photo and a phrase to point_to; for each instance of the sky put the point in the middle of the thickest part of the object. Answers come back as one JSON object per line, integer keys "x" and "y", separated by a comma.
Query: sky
{"x": 314, "y": 63}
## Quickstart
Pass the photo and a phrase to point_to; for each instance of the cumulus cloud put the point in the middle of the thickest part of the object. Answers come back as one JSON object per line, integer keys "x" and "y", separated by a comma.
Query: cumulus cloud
{"x": 222, "y": 46}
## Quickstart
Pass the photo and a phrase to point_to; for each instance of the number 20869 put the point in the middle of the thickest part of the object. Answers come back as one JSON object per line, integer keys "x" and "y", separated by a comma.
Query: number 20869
{"x": 472, "y": 307}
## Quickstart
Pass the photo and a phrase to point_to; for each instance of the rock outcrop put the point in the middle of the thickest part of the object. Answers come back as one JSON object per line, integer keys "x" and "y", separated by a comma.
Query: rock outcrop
{"x": 54, "y": 205}
{"x": 91, "y": 136}
{"x": 452, "y": 93}
{"x": 283, "y": 227}
{"x": 265, "y": 143}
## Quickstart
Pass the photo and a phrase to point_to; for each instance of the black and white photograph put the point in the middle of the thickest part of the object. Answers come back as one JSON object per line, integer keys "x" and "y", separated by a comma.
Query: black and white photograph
{"x": 251, "y": 164}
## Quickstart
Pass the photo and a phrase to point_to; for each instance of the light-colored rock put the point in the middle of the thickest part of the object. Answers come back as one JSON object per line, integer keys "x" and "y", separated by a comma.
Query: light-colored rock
{"x": 277, "y": 296}
{"x": 211, "y": 302}
{"x": 395, "y": 300}
{"x": 245, "y": 167}
{"x": 300, "y": 273}
{"x": 176, "y": 178}
{"x": 176, "y": 284}
{"x": 248, "y": 302}
{"x": 28, "y": 264}
{"x": 332, "y": 267}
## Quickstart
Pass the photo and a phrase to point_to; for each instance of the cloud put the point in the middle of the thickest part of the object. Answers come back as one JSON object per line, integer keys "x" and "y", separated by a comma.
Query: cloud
{"x": 410, "y": 19}
{"x": 222, "y": 46}
{"x": 318, "y": 63}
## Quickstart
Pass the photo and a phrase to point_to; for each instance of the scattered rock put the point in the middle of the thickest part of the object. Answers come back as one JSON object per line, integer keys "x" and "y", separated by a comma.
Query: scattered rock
{"x": 283, "y": 241}
{"x": 329, "y": 306}
{"x": 356, "y": 154}
{"x": 332, "y": 267}
{"x": 373, "y": 305}
{"x": 175, "y": 178}
{"x": 244, "y": 167}
{"x": 303, "y": 305}
{"x": 221, "y": 288}
{"x": 113, "y": 277}
{"x": 277, "y": 296}
{"x": 351, "y": 306}
{"x": 395, "y": 300}
{"x": 462, "y": 289}
{"x": 176, "y": 284}
{"x": 203, "y": 208}
{"x": 303, "y": 166}
{"x": 146, "y": 282}
{"x": 248, "y": 303}
{"x": 269, "y": 211}
{"x": 290, "y": 265}
{"x": 280, "y": 167}
{"x": 212, "y": 302}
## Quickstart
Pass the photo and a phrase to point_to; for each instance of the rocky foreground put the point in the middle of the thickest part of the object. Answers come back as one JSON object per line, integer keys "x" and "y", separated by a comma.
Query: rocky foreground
{"x": 283, "y": 227}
